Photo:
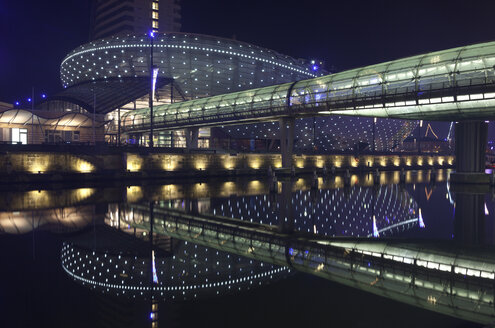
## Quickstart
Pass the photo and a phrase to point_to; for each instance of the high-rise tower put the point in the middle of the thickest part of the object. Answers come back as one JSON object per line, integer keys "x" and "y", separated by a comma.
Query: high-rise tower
{"x": 112, "y": 17}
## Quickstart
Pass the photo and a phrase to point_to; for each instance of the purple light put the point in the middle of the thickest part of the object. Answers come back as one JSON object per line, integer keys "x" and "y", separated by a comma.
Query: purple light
{"x": 29, "y": 99}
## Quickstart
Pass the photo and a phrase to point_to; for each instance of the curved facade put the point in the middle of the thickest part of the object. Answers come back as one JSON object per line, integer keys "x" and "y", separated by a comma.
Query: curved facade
{"x": 200, "y": 65}
{"x": 203, "y": 66}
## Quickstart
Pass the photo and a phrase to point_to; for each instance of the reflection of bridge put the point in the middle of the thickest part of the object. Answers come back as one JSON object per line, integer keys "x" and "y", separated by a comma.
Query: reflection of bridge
{"x": 452, "y": 282}
{"x": 455, "y": 84}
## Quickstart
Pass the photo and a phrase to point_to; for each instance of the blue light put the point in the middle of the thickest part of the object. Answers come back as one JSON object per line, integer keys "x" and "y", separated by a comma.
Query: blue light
{"x": 43, "y": 96}
{"x": 29, "y": 99}
{"x": 17, "y": 103}
{"x": 152, "y": 34}
{"x": 315, "y": 68}
{"x": 291, "y": 251}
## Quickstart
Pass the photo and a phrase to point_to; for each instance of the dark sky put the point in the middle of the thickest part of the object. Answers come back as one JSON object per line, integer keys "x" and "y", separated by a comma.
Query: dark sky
{"x": 36, "y": 35}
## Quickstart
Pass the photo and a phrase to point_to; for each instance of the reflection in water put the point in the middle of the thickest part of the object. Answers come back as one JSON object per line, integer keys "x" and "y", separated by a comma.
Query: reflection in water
{"x": 219, "y": 237}
{"x": 449, "y": 280}
{"x": 122, "y": 264}
{"x": 61, "y": 220}
{"x": 330, "y": 212}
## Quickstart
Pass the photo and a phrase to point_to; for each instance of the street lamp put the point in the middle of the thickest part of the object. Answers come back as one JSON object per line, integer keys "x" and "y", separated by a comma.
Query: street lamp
{"x": 152, "y": 36}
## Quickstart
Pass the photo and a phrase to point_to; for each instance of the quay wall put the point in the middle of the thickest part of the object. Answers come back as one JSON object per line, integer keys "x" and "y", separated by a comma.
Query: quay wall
{"x": 135, "y": 164}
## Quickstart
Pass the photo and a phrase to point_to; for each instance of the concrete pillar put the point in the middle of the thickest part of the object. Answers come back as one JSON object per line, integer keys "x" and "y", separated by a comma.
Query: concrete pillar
{"x": 470, "y": 147}
{"x": 286, "y": 125}
{"x": 192, "y": 138}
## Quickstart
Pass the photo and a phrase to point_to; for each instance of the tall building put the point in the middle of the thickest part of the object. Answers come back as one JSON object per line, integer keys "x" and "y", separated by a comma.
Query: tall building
{"x": 113, "y": 17}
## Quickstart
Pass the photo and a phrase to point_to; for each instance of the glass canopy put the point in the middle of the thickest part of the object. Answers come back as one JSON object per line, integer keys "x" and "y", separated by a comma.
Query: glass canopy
{"x": 453, "y": 84}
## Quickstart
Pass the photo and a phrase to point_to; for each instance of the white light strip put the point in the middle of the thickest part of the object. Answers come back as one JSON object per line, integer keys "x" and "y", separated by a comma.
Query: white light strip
{"x": 232, "y": 282}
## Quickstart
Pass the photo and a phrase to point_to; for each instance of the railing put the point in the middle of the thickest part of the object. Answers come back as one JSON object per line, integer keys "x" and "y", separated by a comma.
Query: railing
{"x": 452, "y": 84}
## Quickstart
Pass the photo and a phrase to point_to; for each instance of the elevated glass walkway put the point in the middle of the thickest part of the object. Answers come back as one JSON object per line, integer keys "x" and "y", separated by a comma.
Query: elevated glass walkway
{"x": 451, "y": 85}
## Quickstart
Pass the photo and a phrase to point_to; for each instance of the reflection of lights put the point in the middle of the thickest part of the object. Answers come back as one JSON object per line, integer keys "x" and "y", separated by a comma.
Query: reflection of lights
{"x": 420, "y": 219}
{"x": 155, "y": 277}
{"x": 486, "y": 210}
{"x": 134, "y": 193}
{"x": 83, "y": 193}
{"x": 375, "y": 229}
{"x": 255, "y": 186}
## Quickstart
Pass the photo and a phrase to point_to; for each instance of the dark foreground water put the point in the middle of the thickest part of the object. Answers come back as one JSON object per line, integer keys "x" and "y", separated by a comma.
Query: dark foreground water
{"x": 232, "y": 253}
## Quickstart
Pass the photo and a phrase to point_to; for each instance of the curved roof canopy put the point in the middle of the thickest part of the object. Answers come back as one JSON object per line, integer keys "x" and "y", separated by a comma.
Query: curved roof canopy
{"x": 106, "y": 95}
{"x": 22, "y": 116}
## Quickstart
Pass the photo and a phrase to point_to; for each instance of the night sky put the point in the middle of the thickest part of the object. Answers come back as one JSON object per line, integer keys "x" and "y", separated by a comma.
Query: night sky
{"x": 36, "y": 35}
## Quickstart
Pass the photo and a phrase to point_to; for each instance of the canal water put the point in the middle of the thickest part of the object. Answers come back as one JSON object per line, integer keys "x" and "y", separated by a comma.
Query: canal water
{"x": 249, "y": 252}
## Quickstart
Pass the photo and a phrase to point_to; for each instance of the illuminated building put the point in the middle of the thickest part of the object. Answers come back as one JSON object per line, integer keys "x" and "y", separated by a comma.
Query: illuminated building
{"x": 21, "y": 126}
{"x": 114, "y": 17}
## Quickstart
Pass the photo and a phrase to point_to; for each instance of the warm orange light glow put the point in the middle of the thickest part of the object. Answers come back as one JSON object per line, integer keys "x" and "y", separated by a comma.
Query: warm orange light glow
{"x": 134, "y": 162}
{"x": 134, "y": 194}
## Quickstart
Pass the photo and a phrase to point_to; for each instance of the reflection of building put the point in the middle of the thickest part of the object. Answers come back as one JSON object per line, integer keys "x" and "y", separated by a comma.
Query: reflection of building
{"x": 331, "y": 212}
{"x": 428, "y": 144}
{"x": 120, "y": 262}
{"x": 113, "y": 17}
{"x": 66, "y": 219}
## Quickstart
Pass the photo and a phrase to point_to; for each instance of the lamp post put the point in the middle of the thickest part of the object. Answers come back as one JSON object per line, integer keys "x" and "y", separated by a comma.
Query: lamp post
{"x": 419, "y": 135}
{"x": 152, "y": 36}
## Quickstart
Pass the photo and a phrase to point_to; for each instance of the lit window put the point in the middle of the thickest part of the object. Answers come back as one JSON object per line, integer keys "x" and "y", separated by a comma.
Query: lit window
{"x": 154, "y": 5}
{"x": 155, "y": 24}
{"x": 154, "y": 14}
{"x": 19, "y": 136}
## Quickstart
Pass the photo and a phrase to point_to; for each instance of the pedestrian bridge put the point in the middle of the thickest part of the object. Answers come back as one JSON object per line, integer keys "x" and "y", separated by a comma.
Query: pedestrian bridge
{"x": 452, "y": 85}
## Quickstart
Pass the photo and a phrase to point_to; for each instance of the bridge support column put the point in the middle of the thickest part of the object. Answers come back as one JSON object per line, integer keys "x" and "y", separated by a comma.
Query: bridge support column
{"x": 469, "y": 222}
{"x": 286, "y": 125}
{"x": 470, "y": 147}
{"x": 192, "y": 138}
